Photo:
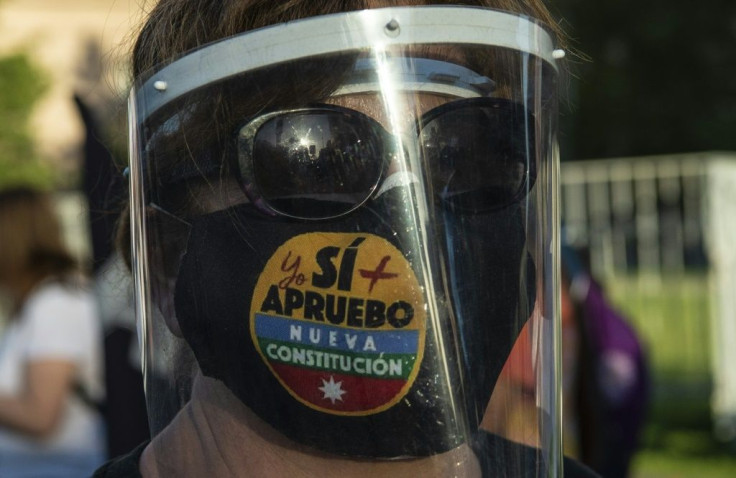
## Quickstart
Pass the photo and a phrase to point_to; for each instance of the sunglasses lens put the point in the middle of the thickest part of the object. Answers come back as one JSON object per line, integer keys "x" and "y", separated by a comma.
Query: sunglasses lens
{"x": 480, "y": 155}
{"x": 317, "y": 164}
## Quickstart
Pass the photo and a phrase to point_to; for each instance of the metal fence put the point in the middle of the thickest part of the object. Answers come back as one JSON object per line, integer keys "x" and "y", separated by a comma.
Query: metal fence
{"x": 637, "y": 215}
{"x": 660, "y": 234}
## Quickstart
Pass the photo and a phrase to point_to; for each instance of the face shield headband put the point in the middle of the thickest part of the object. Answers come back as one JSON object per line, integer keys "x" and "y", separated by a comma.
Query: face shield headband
{"x": 339, "y": 206}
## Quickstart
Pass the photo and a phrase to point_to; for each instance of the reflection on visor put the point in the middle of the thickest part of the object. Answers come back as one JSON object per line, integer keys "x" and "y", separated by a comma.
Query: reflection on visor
{"x": 325, "y": 161}
{"x": 479, "y": 153}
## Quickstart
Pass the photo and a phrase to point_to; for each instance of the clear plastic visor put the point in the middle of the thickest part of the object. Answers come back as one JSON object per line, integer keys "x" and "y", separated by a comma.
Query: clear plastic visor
{"x": 355, "y": 246}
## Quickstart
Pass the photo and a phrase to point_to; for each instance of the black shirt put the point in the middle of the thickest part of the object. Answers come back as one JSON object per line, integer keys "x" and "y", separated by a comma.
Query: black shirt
{"x": 500, "y": 457}
{"x": 125, "y": 466}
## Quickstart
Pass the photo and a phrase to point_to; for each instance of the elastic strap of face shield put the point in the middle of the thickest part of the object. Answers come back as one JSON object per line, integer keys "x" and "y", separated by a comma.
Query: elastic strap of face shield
{"x": 418, "y": 75}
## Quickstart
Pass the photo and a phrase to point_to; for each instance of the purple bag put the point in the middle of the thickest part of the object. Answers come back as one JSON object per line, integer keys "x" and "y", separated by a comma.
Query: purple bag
{"x": 621, "y": 379}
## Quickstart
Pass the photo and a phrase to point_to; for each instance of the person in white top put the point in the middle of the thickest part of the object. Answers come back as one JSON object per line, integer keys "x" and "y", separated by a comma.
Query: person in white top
{"x": 50, "y": 351}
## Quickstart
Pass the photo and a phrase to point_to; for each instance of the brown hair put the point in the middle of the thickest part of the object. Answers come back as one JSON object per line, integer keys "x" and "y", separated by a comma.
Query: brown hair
{"x": 31, "y": 245}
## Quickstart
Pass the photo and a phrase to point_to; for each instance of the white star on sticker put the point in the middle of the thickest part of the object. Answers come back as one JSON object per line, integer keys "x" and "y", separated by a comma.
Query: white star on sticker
{"x": 332, "y": 390}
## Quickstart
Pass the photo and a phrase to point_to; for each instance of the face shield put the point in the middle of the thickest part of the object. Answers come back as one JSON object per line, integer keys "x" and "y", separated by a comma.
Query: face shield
{"x": 346, "y": 224}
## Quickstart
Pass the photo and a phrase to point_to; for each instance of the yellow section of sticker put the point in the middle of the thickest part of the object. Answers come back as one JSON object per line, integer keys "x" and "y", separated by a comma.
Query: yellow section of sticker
{"x": 340, "y": 320}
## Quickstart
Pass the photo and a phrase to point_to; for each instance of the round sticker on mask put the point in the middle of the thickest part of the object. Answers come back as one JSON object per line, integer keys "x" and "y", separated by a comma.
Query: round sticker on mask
{"x": 340, "y": 321}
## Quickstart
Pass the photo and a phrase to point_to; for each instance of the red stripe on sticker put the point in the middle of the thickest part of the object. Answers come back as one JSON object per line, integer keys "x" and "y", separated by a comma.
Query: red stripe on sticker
{"x": 336, "y": 392}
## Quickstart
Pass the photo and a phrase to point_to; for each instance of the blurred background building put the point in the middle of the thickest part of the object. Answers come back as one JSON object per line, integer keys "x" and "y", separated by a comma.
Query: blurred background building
{"x": 54, "y": 51}
{"x": 79, "y": 47}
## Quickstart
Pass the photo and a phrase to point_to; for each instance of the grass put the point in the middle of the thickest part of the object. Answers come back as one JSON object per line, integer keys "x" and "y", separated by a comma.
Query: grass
{"x": 659, "y": 464}
{"x": 678, "y": 439}
{"x": 672, "y": 318}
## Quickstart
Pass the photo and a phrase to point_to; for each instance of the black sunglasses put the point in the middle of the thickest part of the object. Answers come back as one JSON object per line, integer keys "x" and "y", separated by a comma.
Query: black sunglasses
{"x": 325, "y": 161}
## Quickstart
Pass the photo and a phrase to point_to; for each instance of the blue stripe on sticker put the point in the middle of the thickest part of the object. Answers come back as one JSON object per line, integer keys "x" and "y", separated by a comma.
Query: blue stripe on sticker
{"x": 340, "y": 338}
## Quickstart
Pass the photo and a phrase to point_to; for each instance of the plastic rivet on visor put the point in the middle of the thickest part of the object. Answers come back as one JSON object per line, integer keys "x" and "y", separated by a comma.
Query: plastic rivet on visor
{"x": 160, "y": 85}
{"x": 392, "y": 28}
{"x": 558, "y": 54}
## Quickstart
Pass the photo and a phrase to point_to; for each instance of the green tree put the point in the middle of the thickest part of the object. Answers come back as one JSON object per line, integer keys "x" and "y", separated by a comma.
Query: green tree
{"x": 21, "y": 85}
{"x": 660, "y": 77}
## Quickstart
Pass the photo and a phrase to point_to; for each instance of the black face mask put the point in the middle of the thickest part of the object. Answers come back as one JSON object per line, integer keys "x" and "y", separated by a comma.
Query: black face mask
{"x": 271, "y": 308}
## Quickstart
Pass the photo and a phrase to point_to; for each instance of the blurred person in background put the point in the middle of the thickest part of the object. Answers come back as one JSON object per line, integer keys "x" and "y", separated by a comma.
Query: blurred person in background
{"x": 608, "y": 393}
{"x": 50, "y": 351}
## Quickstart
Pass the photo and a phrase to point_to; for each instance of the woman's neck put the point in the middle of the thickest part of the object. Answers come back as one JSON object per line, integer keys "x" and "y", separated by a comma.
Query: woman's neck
{"x": 215, "y": 435}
